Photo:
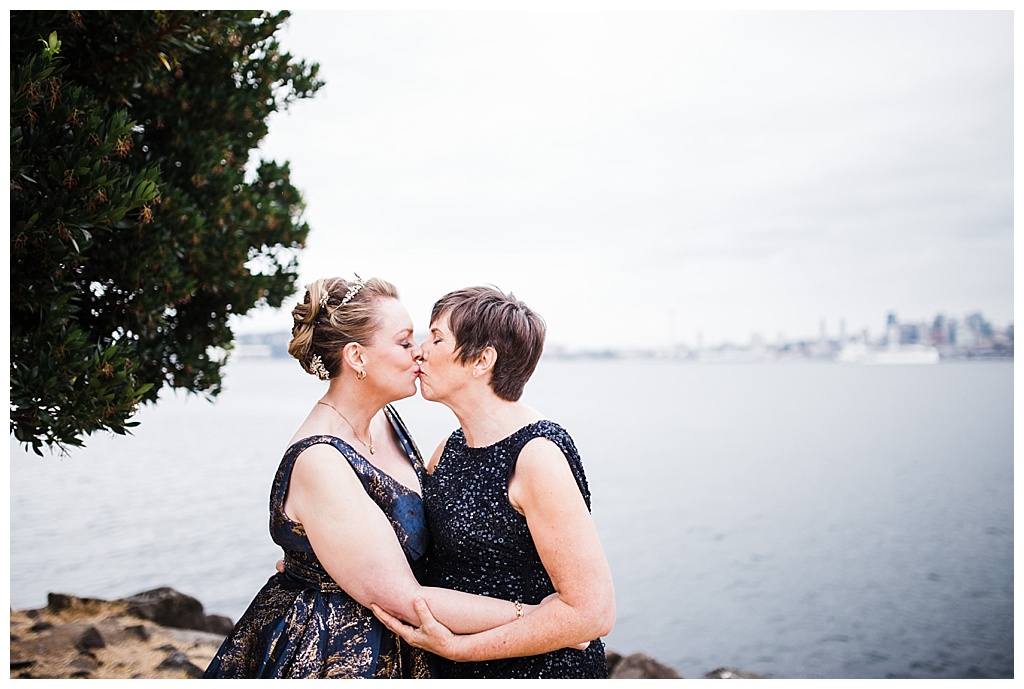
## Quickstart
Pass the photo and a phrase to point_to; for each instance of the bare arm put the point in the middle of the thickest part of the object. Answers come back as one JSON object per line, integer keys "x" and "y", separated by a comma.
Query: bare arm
{"x": 356, "y": 544}
{"x": 545, "y": 490}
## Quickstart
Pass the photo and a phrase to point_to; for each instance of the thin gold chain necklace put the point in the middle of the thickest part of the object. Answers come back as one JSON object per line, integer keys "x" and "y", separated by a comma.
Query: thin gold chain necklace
{"x": 370, "y": 445}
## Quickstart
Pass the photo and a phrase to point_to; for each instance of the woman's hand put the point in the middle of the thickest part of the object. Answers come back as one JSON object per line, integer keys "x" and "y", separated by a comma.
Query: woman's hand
{"x": 431, "y": 635}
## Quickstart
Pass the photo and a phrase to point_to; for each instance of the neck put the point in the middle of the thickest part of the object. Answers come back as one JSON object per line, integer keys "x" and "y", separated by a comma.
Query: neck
{"x": 353, "y": 403}
{"x": 486, "y": 418}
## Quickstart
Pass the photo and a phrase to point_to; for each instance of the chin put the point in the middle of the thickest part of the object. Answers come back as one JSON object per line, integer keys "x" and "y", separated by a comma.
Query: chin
{"x": 405, "y": 392}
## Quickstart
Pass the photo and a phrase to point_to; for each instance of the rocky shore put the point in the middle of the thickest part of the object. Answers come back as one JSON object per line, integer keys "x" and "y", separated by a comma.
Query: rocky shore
{"x": 165, "y": 634}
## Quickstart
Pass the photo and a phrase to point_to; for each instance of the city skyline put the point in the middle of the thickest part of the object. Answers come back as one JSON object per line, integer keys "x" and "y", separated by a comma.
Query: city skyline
{"x": 955, "y": 334}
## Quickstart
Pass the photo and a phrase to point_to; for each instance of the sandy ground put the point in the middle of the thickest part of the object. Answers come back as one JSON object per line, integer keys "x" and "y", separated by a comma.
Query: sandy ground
{"x": 98, "y": 640}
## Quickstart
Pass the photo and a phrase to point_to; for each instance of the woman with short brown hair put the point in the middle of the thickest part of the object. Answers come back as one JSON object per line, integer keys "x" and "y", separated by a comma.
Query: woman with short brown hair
{"x": 507, "y": 503}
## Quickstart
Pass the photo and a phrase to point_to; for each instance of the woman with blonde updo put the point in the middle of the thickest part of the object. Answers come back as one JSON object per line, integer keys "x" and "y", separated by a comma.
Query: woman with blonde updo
{"x": 346, "y": 508}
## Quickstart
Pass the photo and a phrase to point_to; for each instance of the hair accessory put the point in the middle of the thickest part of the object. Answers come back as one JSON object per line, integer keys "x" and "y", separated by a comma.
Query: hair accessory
{"x": 354, "y": 289}
{"x": 316, "y": 365}
{"x": 323, "y": 299}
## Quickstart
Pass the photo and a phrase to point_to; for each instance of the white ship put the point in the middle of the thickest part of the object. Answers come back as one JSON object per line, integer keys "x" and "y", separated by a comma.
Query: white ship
{"x": 859, "y": 353}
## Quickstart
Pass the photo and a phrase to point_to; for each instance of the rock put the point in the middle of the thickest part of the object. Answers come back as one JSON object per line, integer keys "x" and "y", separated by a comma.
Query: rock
{"x": 642, "y": 666}
{"x": 219, "y": 624}
{"x": 56, "y": 602}
{"x": 612, "y": 659}
{"x": 138, "y": 631}
{"x": 60, "y": 602}
{"x": 90, "y": 640}
{"x": 171, "y": 608}
{"x": 177, "y": 660}
{"x": 83, "y": 666}
{"x": 732, "y": 673}
{"x": 84, "y": 637}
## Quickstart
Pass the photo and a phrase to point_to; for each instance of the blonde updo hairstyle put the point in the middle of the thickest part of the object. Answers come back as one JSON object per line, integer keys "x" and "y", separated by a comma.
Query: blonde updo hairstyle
{"x": 325, "y": 330}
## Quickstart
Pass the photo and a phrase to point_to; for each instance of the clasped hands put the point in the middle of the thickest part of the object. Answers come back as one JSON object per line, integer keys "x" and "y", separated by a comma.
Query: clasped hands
{"x": 433, "y": 636}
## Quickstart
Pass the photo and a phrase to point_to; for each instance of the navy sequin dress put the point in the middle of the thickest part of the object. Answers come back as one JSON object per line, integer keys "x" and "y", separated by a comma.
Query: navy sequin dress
{"x": 302, "y": 624}
{"x": 480, "y": 544}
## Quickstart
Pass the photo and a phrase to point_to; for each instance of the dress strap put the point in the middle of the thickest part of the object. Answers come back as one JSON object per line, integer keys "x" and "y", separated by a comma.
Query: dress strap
{"x": 285, "y": 532}
{"x": 404, "y": 437}
{"x": 284, "y": 471}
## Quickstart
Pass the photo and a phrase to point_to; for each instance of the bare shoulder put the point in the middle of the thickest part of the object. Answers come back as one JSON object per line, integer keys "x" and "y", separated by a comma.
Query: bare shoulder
{"x": 539, "y": 452}
{"x": 320, "y": 463}
{"x": 543, "y": 481}
{"x": 542, "y": 462}
{"x": 320, "y": 477}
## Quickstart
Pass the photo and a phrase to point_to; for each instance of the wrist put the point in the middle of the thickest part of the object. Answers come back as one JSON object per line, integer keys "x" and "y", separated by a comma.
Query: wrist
{"x": 459, "y": 649}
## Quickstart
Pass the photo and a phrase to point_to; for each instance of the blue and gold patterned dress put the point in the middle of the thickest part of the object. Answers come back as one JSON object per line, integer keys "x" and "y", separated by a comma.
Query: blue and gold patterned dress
{"x": 480, "y": 544}
{"x": 302, "y": 624}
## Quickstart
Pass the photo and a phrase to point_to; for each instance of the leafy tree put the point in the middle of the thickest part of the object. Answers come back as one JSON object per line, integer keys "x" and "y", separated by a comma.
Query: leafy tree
{"x": 136, "y": 231}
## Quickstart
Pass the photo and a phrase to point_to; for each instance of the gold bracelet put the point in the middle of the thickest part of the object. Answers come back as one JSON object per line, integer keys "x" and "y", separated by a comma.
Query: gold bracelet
{"x": 519, "y": 609}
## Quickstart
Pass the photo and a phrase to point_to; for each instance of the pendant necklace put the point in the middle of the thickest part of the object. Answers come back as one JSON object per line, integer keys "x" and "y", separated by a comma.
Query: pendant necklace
{"x": 370, "y": 445}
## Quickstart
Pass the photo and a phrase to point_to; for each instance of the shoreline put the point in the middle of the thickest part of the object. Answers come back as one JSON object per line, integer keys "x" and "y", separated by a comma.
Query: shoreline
{"x": 165, "y": 634}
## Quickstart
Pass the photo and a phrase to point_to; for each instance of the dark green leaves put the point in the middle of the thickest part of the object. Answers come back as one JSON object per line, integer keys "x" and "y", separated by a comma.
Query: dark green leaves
{"x": 132, "y": 221}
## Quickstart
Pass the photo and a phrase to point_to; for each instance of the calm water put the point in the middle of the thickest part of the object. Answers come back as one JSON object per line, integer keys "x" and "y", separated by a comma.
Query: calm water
{"x": 802, "y": 521}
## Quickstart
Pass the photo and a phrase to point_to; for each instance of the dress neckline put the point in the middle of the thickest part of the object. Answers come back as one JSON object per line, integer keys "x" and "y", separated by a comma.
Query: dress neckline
{"x": 510, "y": 436}
{"x": 416, "y": 463}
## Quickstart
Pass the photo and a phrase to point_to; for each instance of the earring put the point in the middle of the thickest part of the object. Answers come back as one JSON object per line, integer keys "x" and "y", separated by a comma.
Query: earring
{"x": 360, "y": 375}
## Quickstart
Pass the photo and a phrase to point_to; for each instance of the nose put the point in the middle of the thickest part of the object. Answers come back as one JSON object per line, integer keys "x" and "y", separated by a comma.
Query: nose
{"x": 417, "y": 352}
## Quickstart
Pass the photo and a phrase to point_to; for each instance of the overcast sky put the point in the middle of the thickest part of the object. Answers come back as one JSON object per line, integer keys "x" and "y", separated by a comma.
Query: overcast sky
{"x": 646, "y": 178}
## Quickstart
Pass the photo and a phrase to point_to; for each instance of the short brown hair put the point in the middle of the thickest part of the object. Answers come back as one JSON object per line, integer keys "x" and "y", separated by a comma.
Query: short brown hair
{"x": 482, "y": 316}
